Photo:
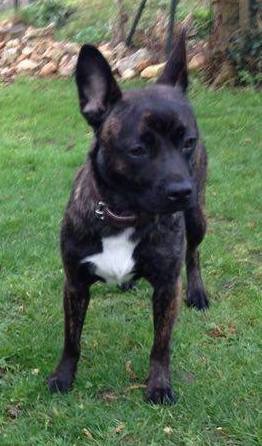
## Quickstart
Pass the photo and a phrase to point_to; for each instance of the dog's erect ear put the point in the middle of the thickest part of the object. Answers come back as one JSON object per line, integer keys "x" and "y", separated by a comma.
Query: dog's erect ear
{"x": 175, "y": 71}
{"x": 97, "y": 88}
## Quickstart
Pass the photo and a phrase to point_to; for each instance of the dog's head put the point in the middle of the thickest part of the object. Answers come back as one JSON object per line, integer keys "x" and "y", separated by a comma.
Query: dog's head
{"x": 146, "y": 138}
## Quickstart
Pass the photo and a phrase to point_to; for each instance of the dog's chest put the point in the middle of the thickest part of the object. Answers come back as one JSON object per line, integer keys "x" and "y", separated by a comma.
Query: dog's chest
{"x": 115, "y": 264}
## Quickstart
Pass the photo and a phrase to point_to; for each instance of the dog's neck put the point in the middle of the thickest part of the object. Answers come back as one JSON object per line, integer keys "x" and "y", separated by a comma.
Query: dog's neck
{"x": 110, "y": 207}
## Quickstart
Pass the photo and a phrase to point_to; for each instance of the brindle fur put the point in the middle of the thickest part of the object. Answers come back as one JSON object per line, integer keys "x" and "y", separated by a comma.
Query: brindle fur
{"x": 131, "y": 187}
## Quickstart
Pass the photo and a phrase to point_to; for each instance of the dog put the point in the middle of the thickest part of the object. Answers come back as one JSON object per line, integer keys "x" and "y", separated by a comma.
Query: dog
{"x": 136, "y": 207}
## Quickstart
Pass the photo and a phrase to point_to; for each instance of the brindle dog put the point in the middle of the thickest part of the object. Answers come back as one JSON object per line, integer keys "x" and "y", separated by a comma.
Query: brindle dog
{"x": 136, "y": 200}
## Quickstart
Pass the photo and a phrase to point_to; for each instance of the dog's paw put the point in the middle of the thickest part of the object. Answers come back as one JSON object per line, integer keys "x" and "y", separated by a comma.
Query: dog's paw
{"x": 127, "y": 286}
{"x": 160, "y": 395}
{"x": 59, "y": 383}
{"x": 197, "y": 298}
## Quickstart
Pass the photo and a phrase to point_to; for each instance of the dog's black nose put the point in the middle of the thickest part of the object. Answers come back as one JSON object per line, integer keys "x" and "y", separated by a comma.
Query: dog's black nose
{"x": 179, "y": 190}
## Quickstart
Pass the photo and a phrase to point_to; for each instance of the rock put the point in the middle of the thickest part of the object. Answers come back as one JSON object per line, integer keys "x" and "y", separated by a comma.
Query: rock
{"x": 134, "y": 60}
{"x": 61, "y": 46}
{"x": 65, "y": 59}
{"x": 128, "y": 74}
{"x": 7, "y": 72}
{"x": 6, "y": 22}
{"x": 2, "y": 44}
{"x": 20, "y": 58}
{"x": 13, "y": 43}
{"x": 197, "y": 62}
{"x": 3, "y": 30}
{"x": 143, "y": 64}
{"x": 107, "y": 51}
{"x": 11, "y": 29}
{"x": 152, "y": 71}
{"x": 40, "y": 47}
{"x": 72, "y": 48}
{"x": 32, "y": 33}
{"x": 54, "y": 54}
{"x": 120, "y": 50}
{"x": 111, "y": 53}
{"x": 27, "y": 51}
{"x": 48, "y": 69}
{"x": 9, "y": 55}
{"x": 16, "y": 29}
{"x": 68, "y": 68}
{"x": 38, "y": 58}
{"x": 27, "y": 66}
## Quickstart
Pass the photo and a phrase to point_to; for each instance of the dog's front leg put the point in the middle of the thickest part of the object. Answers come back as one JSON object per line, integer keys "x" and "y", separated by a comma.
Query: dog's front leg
{"x": 165, "y": 309}
{"x": 76, "y": 301}
{"x": 195, "y": 231}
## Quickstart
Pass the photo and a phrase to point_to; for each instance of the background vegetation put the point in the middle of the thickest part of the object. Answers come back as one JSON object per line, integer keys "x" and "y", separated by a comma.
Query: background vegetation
{"x": 92, "y": 21}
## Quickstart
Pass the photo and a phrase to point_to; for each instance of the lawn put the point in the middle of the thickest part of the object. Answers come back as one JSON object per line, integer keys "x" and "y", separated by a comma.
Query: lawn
{"x": 216, "y": 356}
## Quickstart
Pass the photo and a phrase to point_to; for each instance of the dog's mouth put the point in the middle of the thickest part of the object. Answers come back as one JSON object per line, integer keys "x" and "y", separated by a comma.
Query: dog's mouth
{"x": 176, "y": 206}
{"x": 166, "y": 206}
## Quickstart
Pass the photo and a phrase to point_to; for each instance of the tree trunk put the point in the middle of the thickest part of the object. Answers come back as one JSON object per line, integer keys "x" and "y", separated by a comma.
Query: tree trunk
{"x": 226, "y": 20}
{"x": 16, "y": 4}
{"x": 119, "y": 26}
{"x": 232, "y": 19}
{"x": 244, "y": 15}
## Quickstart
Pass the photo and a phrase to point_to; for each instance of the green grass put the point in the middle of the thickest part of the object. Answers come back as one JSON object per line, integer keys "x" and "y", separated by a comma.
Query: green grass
{"x": 216, "y": 358}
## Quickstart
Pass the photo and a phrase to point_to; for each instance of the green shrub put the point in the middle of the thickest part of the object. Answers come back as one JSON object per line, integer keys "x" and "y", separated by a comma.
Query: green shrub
{"x": 245, "y": 53}
{"x": 41, "y": 13}
{"x": 92, "y": 33}
{"x": 202, "y": 18}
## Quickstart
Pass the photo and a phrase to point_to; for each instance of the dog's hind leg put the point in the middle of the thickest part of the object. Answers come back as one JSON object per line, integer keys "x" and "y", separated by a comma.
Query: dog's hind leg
{"x": 195, "y": 232}
{"x": 76, "y": 301}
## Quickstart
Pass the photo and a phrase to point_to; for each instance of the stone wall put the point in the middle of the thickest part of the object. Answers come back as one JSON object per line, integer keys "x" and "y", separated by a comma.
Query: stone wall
{"x": 34, "y": 52}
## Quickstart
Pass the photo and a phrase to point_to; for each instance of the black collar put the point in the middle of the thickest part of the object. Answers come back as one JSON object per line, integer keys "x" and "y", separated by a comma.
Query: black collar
{"x": 104, "y": 213}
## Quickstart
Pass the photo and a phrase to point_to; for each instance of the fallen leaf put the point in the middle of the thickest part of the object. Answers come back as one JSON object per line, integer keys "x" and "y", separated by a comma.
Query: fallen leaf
{"x": 55, "y": 411}
{"x": 13, "y": 411}
{"x": 188, "y": 377}
{"x": 119, "y": 428}
{"x": 222, "y": 331}
{"x": 217, "y": 332}
{"x": 168, "y": 430}
{"x": 232, "y": 329}
{"x": 70, "y": 146}
{"x": 108, "y": 395}
{"x": 136, "y": 386}
{"x": 221, "y": 431}
{"x": 130, "y": 370}
{"x": 252, "y": 224}
{"x": 87, "y": 434}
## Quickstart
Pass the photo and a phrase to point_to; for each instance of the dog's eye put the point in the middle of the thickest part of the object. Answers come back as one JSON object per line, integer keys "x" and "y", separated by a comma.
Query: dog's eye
{"x": 137, "y": 151}
{"x": 189, "y": 146}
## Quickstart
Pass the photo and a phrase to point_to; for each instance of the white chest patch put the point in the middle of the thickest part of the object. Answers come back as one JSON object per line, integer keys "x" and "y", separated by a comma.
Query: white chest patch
{"x": 115, "y": 264}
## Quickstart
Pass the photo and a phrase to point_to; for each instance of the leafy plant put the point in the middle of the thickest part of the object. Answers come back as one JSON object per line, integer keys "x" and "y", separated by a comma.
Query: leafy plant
{"x": 202, "y": 18}
{"x": 245, "y": 54}
{"x": 91, "y": 33}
